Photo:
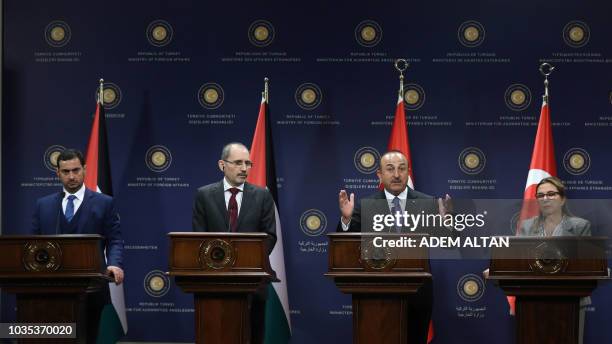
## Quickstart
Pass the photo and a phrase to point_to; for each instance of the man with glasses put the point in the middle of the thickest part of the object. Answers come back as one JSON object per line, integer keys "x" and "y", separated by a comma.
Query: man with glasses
{"x": 233, "y": 205}
{"x": 393, "y": 175}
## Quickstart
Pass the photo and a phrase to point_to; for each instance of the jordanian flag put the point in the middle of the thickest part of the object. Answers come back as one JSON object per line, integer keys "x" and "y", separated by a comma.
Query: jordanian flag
{"x": 113, "y": 321}
{"x": 263, "y": 174}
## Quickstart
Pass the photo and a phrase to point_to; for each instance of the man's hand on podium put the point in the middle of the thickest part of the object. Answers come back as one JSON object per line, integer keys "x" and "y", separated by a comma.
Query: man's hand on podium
{"x": 116, "y": 272}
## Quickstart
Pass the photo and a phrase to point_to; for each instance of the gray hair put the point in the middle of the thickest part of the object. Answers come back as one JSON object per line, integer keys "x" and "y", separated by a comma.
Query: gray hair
{"x": 225, "y": 152}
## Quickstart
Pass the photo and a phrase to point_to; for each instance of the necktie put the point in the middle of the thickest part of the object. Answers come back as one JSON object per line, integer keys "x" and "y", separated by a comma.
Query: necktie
{"x": 69, "y": 214}
{"x": 396, "y": 208}
{"x": 232, "y": 209}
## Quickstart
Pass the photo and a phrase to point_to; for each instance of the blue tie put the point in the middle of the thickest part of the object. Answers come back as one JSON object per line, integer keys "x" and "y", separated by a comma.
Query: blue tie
{"x": 70, "y": 208}
{"x": 396, "y": 208}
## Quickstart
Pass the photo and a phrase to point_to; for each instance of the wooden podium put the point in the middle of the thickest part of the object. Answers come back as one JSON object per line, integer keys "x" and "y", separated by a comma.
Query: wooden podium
{"x": 224, "y": 271}
{"x": 379, "y": 283}
{"x": 548, "y": 276}
{"x": 50, "y": 275}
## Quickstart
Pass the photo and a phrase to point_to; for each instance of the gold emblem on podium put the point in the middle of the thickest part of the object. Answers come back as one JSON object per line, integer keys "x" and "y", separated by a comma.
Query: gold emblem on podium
{"x": 471, "y": 33}
{"x": 42, "y": 256}
{"x": 57, "y": 33}
{"x": 548, "y": 259}
{"x": 375, "y": 258}
{"x": 216, "y": 254}
{"x": 159, "y": 33}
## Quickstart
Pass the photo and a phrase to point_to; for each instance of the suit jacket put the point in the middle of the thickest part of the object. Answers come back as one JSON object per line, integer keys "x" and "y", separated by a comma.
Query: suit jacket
{"x": 571, "y": 226}
{"x": 257, "y": 211}
{"x": 96, "y": 215}
{"x": 412, "y": 206}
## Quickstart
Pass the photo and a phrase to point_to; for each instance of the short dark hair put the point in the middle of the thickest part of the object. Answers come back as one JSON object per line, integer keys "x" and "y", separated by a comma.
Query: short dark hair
{"x": 69, "y": 154}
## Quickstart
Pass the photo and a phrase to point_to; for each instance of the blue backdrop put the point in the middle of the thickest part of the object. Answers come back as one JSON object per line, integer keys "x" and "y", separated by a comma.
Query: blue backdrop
{"x": 185, "y": 77}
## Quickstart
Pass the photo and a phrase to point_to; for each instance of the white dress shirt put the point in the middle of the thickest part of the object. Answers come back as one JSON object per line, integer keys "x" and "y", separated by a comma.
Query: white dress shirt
{"x": 228, "y": 194}
{"x": 80, "y": 194}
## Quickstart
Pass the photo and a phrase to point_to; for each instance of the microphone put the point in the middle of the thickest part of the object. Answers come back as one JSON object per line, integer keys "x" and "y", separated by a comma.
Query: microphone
{"x": 59, "y": 212}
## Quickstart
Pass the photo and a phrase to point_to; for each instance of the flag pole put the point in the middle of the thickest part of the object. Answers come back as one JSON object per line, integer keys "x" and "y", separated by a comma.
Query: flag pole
{"x": 101, "y": 92}
{"x": 546, "y": 69}
{"x": 265, "y": 92}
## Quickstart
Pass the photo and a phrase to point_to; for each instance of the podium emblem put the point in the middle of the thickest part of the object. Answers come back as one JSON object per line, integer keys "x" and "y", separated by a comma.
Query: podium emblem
{"x": 548, "y": 259}
{"x": 42, "y": 256}
{"x": 261, "y": 33}
{"x": 57, "y": 33}
{"x": 159, "y": 33}
{"x": 375, "y": 258}
{"x": 216, "y": 254}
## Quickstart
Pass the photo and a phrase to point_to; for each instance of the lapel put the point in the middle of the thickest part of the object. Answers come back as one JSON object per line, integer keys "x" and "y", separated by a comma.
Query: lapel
{"x": 219, "y": 199}
{"x": 83, "y": 211}
{"x": 247, "y": 199}
{"x": 566, "y": 227}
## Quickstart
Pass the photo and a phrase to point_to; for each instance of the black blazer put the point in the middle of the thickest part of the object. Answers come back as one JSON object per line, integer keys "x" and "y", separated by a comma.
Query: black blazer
{"x": 257, "y": 211}
{"x": 413, "y": 207}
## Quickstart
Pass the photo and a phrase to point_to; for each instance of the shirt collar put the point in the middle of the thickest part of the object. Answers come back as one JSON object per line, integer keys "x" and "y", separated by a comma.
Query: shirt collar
{"x": 227, "y": 185}
{"x": 80, "y": 194}
{"x": 403, "y": 195}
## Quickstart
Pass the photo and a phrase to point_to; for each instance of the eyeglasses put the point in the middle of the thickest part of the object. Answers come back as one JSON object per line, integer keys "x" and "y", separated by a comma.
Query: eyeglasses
{"x": 241, "y": 163}
{"x": 548, "y": 195}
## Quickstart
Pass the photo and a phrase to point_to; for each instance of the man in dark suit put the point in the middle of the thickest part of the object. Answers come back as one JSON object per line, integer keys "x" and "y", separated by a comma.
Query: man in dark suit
{"x": 393, "y": 174}
{"x": 78, "y": 210}
{"x": 233, "y": 205}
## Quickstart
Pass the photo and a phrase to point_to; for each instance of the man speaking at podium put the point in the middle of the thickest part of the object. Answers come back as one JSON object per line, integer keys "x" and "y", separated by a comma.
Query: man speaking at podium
{"x": 393, "y": 175}
{"x": 233, "y": 205}
{"x": 78, "y": 210}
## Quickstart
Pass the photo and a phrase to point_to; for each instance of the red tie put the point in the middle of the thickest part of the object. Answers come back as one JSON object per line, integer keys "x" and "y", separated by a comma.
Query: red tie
{"x": 232, "y": 209}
